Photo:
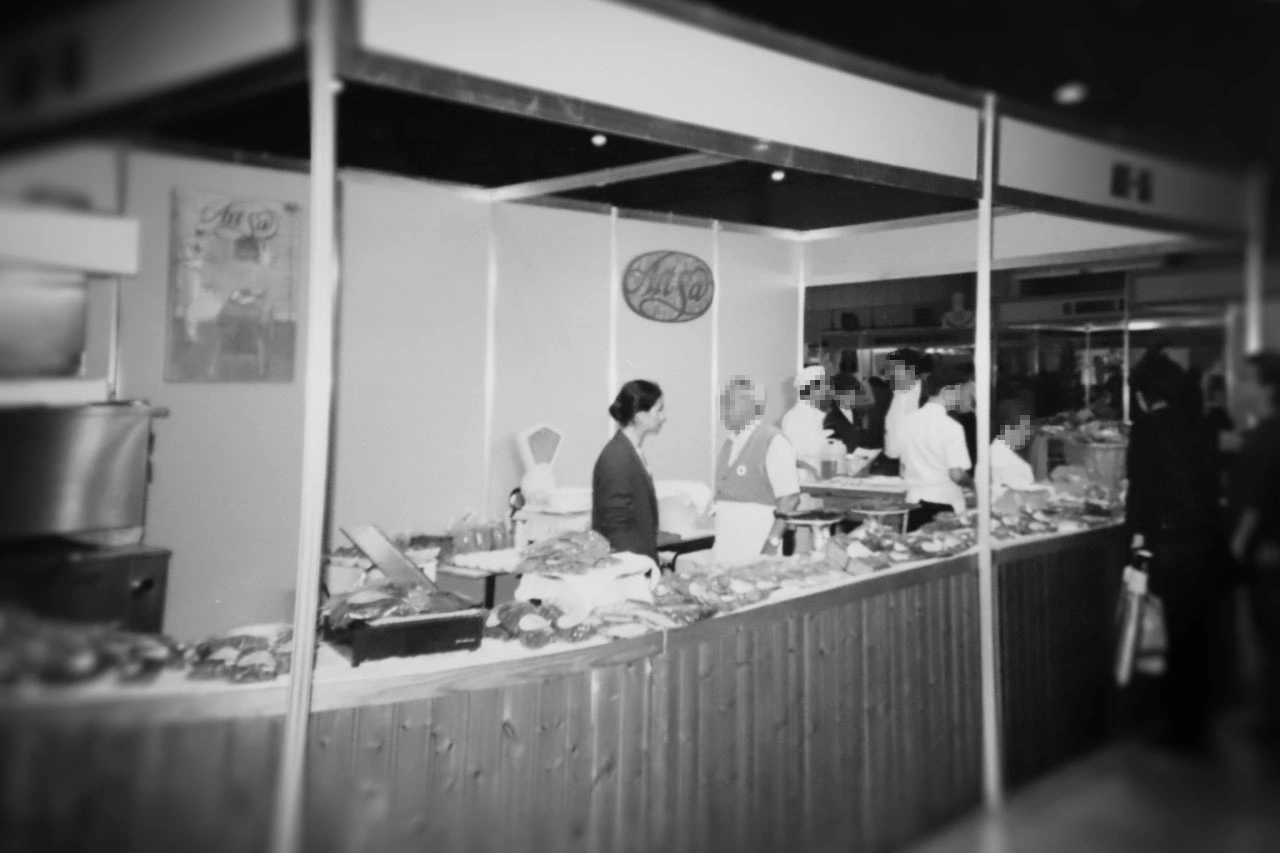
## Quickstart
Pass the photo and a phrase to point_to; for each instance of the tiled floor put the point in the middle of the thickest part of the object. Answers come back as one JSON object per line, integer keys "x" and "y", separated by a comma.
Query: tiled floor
{"x": 1136, "y": 798}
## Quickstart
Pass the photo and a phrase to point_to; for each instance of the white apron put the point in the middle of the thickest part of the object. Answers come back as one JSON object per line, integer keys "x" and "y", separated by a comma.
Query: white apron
{"x": 742, "y": 529}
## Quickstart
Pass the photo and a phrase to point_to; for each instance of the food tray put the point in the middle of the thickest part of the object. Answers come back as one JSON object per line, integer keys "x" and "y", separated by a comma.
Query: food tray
{"x": 409, "y": 636}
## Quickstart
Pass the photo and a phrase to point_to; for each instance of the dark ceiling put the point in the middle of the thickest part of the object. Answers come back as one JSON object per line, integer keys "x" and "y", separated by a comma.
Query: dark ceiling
{"x": 1202, "y": 75}
{"x": 389, "y": 131}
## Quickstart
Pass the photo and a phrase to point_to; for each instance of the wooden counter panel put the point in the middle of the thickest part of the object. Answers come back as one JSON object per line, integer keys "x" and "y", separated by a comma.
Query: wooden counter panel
{"x": 198, "y": 787}
{"x": 1055, "y": 634}
{"x": 848, "y": 718}
{"x": 852, "y": 726}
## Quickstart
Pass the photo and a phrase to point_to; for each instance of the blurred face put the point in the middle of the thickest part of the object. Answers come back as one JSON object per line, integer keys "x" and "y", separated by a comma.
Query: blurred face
{"x": 951, "y": 397}
{"x": 901, "y": 377}
{"x": 652, "y": 420}
{"x": 737, "y": 408}
{"x": 1017, "y": 435}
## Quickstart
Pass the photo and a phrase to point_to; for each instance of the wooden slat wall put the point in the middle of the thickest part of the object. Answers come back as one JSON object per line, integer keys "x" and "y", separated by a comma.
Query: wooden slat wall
{"x": 845, "y": 720}
{"x": 1056, "y": 609}
{"x": 852, "y": 720}
{"x": 192, "y": 787}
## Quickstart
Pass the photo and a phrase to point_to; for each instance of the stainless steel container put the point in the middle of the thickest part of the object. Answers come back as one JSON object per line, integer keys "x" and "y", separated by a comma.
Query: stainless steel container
{"x": 43, "y": 319}
{"x": 73, "y": 469}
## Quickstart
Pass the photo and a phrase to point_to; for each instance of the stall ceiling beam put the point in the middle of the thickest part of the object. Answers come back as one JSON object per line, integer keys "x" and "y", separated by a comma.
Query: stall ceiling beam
{"x": 604, "y": 177}
{"x": 899, "y": 224}
{"x": 742, "y": 29}
{"x": 637, "y": 60}
{"x": 407, "y": 76}
{"x": 564, "y": 203}
{"x": 1043, "y": 203}
{"x": 1120, "y": 257}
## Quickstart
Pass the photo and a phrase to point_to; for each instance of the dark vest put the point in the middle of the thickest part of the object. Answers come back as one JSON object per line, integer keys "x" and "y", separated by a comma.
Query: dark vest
{"x": 747, "y": 480}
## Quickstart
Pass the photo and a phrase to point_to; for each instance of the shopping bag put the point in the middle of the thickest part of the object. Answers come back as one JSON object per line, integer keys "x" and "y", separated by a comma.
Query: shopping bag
{"x": 1133, "y": 591}
{"x": 1153, "y": 638}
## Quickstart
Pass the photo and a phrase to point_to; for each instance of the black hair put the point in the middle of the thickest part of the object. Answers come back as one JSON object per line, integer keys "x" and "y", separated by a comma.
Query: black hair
{"x": 1009, "y": 412}
{"x": 943, "y": 377}
{"x": 845, "y": 382}
{"x": 638, "y": 395}
{"x": 906, "y": 356}
{"x": 1266, "y": 365}
{"x": 1159, "y": 378}
{"x": 967, "y": 370}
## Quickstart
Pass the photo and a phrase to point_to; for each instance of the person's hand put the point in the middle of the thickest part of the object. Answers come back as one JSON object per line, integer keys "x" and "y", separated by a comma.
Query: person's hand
{"x": 1138, "y": 542}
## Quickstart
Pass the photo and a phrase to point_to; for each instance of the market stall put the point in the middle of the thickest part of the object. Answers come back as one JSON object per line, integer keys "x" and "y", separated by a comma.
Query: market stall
{"x": 861, "y": 710}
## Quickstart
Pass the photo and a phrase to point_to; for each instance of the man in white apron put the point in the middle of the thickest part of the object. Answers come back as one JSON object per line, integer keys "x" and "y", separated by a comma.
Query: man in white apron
{"x": 755, "y": 475}
{"x": 804, "y": 424}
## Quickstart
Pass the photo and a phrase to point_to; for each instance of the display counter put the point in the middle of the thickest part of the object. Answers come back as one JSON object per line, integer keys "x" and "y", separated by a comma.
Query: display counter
{"x": 845, "y": 717}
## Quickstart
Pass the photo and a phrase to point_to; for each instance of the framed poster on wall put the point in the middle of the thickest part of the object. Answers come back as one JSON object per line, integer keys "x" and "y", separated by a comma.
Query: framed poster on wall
{"x": 232, "y": 301}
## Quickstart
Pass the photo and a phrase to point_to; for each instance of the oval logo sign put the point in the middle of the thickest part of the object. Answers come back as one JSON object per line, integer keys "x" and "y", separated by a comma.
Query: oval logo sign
{"x": 670, "y": 287}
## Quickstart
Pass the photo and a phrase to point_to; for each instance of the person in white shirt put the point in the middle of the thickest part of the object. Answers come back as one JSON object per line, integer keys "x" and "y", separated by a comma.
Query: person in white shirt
{"x": 755, "y": 475}
{"x": 804, "y": 423}
{"x": 935, "y": 459}
{"x": 907, "y": 370}
{"x": 1012, "y": 424}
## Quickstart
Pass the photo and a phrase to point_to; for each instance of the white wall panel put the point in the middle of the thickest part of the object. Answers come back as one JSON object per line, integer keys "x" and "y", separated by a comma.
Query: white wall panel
{"x": 675, "y": 355}
{"x": 758, "y": 308}
{"x": 552, "y": 339}
{"x": 228, "y": 460}
{"x": 411, "y": 357}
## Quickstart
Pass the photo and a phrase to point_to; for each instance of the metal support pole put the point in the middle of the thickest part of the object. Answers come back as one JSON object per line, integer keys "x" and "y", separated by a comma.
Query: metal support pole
{"x": 801, "y": 287}
{"x": 1127, "y": 359}
{"x": 1231, "y": 357}
{"x": 113, "y": 342}
{"x": 321, "y": 319}
{"x": 992, "y": 781}
{"x": 1255, "y": 260}
{"x": 615, "y": 289}
{"x": 715, "y": 352}
{"x": 1087, "y": 375}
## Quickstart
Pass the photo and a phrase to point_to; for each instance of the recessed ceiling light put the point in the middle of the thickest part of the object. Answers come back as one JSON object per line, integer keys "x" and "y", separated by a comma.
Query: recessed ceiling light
{"x": 778, "y": 175}
{"x": 1072, "y": 93}
{"x": 599, "y": 140}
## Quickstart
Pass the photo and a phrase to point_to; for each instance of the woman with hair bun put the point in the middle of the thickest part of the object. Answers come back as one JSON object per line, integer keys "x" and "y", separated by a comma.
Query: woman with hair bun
{"x": 624, "y": 505}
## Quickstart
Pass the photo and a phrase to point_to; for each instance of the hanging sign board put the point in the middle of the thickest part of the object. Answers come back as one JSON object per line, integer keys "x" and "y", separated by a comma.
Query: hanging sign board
{"x": 1057, "y": 166}
{"x": 669, "y": 287}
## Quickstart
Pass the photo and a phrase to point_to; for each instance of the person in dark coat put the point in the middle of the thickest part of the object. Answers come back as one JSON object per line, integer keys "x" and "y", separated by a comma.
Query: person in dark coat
{"x": 624, "y": 504}
{"x": 1254, "y": 503}
{"x": 1172, "y": 512}
{"x": 964, "y": 411}
{"x": 843, "y": 418}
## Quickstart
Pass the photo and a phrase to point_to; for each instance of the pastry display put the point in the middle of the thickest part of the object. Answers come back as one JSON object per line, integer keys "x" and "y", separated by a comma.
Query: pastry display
{"x": 568, "y": 553}
{"x": 38, "y": 650}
